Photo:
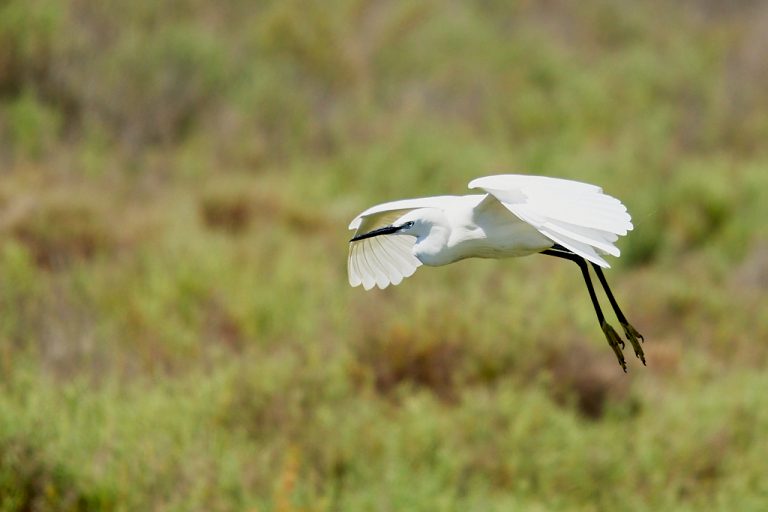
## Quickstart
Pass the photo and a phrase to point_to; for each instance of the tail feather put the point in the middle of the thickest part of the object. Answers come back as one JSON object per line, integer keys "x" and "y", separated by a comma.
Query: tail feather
{"x": 582, "y": 249}
{"x": 587, "y": 236}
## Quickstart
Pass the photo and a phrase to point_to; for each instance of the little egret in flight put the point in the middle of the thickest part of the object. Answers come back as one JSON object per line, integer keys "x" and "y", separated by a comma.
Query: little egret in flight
{"x": 516, "y": 215}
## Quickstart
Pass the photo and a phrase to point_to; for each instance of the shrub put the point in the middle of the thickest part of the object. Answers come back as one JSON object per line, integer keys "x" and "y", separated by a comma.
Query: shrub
{"x": 61, "y": 231}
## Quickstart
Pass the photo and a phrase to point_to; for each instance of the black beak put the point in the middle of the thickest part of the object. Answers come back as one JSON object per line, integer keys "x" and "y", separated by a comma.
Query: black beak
{"x": 386, "y": 230}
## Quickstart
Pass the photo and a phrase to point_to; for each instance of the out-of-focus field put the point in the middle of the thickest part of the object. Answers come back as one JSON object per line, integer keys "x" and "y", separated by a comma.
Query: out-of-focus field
{"x": 176, "y": 328}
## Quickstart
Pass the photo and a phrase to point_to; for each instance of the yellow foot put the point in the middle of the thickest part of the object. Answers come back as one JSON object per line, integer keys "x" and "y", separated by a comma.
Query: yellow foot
{"x": 635, "y": 338}
{"x": 616, "y": 343}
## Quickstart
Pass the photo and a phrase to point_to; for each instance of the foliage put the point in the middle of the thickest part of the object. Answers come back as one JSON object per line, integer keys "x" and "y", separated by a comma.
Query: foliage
{"x": 177, "y": 332}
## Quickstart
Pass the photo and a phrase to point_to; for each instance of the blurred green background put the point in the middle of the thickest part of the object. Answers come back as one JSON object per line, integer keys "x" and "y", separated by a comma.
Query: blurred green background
{"x": 176, "y": 328}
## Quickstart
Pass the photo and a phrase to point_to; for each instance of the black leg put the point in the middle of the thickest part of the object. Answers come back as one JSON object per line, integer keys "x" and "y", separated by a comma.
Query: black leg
{"x": 633, "y": 336}
{"x": 616, "y": 343}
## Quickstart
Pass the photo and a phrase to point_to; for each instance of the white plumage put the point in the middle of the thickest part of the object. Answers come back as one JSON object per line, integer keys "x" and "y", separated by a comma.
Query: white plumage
{"x": 515, "y": 216}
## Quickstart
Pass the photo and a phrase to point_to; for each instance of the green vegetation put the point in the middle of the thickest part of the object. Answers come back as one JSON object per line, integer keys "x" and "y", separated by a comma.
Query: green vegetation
{"x": 176, "y": 327}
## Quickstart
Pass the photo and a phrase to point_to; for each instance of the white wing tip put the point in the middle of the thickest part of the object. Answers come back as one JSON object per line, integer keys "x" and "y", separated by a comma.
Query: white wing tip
{"x": 380, "y": 262}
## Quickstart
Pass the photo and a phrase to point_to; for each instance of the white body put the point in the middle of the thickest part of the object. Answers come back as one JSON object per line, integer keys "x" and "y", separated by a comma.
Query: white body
{"x": 518, "y": 215}
{"x": 476, "y": 226}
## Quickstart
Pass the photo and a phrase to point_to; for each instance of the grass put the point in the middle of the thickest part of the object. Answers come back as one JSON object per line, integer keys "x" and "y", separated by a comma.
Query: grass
{"x": 177, "y": 330}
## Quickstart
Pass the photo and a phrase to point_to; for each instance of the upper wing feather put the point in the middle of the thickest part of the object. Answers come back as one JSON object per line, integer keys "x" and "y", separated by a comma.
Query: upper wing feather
{"x": 377, "y": 216}
{"x": 576, "y": 215}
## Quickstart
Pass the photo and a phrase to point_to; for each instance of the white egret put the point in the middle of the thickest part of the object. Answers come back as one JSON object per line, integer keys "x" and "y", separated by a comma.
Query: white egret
{"x": 516, "y": 215}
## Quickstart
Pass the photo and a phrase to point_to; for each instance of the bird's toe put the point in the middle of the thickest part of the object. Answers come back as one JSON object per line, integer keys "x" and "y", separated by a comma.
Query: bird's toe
{"x": 615, "y": 342}
{"x": 635, "y": 338}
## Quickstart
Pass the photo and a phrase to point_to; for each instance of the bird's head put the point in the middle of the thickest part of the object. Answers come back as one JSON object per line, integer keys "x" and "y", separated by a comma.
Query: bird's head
{"x": 418, "y": 223}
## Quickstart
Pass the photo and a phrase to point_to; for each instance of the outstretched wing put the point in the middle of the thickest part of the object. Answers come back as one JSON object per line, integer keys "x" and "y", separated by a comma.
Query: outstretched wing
{"x": 385, "y": 259}
{"x": 576, "y": 215}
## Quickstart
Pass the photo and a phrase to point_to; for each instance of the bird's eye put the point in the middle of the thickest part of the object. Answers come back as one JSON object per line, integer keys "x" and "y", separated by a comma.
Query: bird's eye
{"x": 408, "y": 224}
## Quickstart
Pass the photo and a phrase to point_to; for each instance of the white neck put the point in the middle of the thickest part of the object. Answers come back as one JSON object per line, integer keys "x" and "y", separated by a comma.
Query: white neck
{"x": 431, "y": 249}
